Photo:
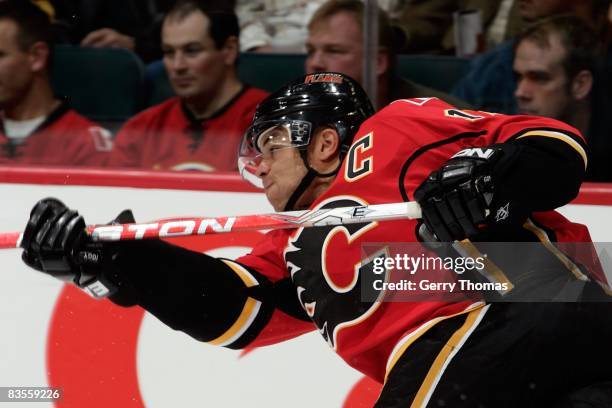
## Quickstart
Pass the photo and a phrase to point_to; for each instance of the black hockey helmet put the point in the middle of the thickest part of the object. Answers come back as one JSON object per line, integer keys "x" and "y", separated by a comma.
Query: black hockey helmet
{"x": 300, "y": 107}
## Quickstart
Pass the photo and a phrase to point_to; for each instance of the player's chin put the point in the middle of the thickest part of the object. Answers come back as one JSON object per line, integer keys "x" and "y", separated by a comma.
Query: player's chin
{"x": 278, "y": 205}
{"x": 277, "y": 202}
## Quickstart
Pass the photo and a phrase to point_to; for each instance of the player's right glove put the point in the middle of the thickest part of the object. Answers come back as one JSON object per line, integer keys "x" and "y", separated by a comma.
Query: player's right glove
{"x": 464, "y": 196}
{"x": 55, "y": 242}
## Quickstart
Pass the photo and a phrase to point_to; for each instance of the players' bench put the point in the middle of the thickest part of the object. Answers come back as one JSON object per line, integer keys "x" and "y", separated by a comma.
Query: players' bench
{"x": 104, "y": 84}
{"x": 271, "y": 71}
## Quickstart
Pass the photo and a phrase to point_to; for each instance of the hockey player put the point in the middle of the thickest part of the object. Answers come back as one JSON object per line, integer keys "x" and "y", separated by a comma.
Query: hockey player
{"x": 316, "y": 143}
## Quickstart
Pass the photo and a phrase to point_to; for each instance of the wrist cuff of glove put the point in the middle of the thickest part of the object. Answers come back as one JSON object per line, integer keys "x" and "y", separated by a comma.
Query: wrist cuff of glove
{"x": 97, "y": 274}
{"x": 506, "y": 209}
{"x": 97, "y": 287}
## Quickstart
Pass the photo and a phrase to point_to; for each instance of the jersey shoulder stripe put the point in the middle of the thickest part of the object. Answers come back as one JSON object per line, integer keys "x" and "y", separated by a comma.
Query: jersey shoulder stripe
{"x": 572, "y": 140}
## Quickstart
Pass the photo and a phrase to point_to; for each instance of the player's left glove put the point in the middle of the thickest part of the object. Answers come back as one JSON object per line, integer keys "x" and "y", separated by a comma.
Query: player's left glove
{"x": 463, "y": 197}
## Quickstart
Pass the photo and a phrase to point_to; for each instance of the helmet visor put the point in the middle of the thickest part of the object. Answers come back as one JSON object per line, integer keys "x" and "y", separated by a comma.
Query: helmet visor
{"x": 261, "y": 141}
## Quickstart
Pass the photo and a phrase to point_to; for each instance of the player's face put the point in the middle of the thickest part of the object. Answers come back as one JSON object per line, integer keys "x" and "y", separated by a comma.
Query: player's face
{"x": 542, "y": 85}
{"x": 195, "y": 66}
{"x": 335, "y": 44}
{"x": 531, "y": 10}
{"x": 15, "y": 66}
{"x": 281, "y": 170}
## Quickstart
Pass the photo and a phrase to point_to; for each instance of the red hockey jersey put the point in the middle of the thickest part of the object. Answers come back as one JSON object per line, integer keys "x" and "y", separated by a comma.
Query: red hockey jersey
{"x": 168, "y": 137}
{"x": 391, "y": 155}
{"x": 65, "y": 138}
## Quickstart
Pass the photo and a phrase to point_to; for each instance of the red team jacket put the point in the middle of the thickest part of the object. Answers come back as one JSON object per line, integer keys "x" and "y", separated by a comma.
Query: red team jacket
{"x": 168, "y": 137}
{"x": 65, "y": 138}
{"x": 391, "y": 155}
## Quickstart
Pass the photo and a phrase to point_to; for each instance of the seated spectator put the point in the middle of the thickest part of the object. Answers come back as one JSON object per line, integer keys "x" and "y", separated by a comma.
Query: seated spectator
{"x": 556, "y": 65}
{"x": 129, "y": 24}
{"x": 200, "y": 128}
{"x": 36, "y": 127}
{"x": 274, "y": 26}
{"x": 335, "y": 43}
{"x": 422, "y": 25}
{"x": 428, "y": 27}
{"x": 501, "y": 22}
{"x": 588, "y": 10}
{"x": 489, "y": 85}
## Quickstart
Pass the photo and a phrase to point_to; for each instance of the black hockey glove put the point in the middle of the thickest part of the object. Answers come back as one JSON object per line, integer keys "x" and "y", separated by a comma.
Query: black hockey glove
{"x": 55, "y": 242}
{"x": 463, "y": 197}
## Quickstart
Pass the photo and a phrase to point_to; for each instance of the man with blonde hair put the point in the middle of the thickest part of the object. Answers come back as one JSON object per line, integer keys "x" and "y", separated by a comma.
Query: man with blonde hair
{"x": 335, "y": 43}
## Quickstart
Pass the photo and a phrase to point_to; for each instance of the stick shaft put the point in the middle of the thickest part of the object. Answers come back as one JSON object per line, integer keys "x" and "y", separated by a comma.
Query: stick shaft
{"x": 10, "y": 240}
{"x": 208, "y": 226}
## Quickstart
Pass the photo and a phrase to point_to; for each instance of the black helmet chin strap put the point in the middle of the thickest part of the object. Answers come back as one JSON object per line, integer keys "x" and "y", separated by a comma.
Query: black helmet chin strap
{"x": 307, "y": 180}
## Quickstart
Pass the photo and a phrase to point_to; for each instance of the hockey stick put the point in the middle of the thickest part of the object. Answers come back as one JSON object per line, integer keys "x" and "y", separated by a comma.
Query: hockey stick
{"x": 180, "y": 227}
{"x": 207, "y": 226}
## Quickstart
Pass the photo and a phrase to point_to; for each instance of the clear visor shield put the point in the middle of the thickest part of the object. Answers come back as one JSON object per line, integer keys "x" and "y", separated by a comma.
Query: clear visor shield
{"x": 261, "y": 141}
